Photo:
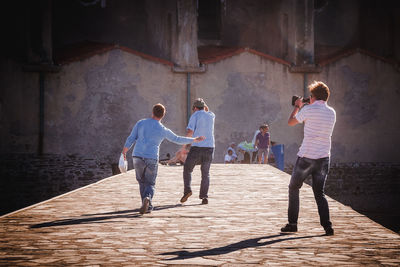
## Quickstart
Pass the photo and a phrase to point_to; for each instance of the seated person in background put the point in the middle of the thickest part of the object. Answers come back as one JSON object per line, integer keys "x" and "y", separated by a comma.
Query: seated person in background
{"x": 180, "y": 156}
{"x": 246, "y": 158}
{"x": 229, "y": 157}
{"x": 232, "y": 148}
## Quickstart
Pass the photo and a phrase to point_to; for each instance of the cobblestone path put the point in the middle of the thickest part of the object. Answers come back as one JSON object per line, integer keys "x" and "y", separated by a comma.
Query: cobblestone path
{"x": 99, "y": 225}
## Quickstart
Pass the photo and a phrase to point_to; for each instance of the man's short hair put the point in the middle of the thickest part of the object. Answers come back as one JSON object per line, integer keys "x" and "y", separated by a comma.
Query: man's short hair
{"x": 263, "y": 126}
{"x": 319, "y": 90}
{"x": 199, "y": 103}
{"x": 159, "y": 110}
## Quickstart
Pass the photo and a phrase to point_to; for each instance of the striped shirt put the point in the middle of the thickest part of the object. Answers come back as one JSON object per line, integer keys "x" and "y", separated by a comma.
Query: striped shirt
{"x": 319, "y": 120}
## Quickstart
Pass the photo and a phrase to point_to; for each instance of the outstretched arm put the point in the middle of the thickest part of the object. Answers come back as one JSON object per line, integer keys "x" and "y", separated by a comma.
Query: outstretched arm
{"x": 189, "y": 133}
{"x": 182, "y": 140}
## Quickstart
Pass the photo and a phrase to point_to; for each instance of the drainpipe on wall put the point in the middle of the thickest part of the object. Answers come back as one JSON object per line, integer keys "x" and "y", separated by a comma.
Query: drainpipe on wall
{"x": 45, "y": 64}
{"x": 188, "y": 71}
{"x": 305, "y": 93}
{"x": 41, "y": 69}
{"x": 188, "y": 97}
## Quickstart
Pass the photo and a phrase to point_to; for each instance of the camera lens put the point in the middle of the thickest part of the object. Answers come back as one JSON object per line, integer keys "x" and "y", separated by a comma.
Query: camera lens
{"x": 294, "y": 98}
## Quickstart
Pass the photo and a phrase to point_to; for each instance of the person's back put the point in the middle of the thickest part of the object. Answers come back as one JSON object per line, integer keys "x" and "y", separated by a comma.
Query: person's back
{"x": 319, "y": 121}
{"x": 202, "y": 124}
{"x": 148, "y": 134}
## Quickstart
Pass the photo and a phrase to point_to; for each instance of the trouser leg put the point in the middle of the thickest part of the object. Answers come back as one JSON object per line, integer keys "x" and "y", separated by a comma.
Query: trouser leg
{"x": 146, "y": 174}
{"x": 319, "y": 178}
{"x": 140, "y": 168}
{"x": 188, "y": 169}
{"x": 301, "y": 170}
{"x": 206, "y": 159}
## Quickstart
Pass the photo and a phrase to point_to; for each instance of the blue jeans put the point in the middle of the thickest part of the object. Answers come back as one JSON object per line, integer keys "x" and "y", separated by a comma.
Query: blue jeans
{"x": 196, "y": 156}
{"x": 318, "y": 168}
{"x": 146, "y": 174}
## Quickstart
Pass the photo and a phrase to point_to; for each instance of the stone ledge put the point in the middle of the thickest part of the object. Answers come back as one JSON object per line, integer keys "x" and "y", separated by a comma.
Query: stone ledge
{"x": 310, "y": 68}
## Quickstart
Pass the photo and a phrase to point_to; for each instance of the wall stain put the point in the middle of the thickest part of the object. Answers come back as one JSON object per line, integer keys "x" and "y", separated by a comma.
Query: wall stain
{"x": 109, "y": 110}
{"x": 359, "y": 104}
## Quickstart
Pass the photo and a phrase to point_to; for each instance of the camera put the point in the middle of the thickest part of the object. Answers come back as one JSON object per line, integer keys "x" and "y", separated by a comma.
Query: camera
{"x": 305, "y": 100}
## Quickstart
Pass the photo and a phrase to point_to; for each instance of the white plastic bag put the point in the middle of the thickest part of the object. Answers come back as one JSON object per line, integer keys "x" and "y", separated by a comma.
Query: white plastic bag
{"x": 123, "y": 164}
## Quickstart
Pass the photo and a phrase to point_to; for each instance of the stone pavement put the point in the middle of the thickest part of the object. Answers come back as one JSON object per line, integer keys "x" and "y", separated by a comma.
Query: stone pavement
{"x": 99, "y": 225}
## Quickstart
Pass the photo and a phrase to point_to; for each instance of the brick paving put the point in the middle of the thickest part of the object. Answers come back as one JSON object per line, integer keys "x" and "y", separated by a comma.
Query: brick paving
{"x": 99, "y": 225}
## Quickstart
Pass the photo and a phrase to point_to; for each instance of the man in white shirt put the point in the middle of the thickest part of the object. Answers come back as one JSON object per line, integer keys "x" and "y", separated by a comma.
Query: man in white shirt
{"x": 232, "y": 148}
{"x": 314, "y": 153}
{"x": 229, "y": 157}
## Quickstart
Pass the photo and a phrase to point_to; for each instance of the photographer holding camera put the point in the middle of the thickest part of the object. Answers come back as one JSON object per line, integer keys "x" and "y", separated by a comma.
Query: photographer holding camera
{"x": 314, "y": 153}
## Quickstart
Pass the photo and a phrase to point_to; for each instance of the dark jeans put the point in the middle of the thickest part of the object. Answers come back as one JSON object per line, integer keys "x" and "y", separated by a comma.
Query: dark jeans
{"x": 196, "y": 156}
{"x": 318, "y": 168}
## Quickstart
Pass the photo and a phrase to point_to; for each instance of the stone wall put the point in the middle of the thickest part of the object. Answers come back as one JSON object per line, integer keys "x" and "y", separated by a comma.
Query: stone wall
{"x": 372, "y": 189}
{"x": 365, "y": 186}
{"x": 27, "y": 179}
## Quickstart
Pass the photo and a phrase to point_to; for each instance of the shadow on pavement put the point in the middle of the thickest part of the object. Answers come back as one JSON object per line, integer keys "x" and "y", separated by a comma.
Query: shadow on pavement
{"x": 248, "y": 243}
{"x": 102, "y": 217}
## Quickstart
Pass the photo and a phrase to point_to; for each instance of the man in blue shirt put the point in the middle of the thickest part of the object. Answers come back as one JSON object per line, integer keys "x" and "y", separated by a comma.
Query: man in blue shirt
{"x": 148, "y": 135}
{"x": 201, "y": 123}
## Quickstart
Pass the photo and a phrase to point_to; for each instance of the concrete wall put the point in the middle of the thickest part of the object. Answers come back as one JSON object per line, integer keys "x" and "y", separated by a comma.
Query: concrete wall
{"x": 337, "y": 25}
{"x": 247, "y": 90}
{"x": 92, "y": 105}
{"x": 244, "y": 91}
{"x": 146, "y": 26}
{"x": 365, "y": 94}
{"x": 261, "y": 25}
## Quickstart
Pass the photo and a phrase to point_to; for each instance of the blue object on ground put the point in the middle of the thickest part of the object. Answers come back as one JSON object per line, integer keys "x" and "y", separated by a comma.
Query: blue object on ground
{"x": 279, "y": 156}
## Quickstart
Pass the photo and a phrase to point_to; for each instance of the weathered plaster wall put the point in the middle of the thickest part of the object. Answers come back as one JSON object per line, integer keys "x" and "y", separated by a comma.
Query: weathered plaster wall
{"x": 365, "y": 93}
{"x": 244, "y": 91}
{"x": 94, "y": 104}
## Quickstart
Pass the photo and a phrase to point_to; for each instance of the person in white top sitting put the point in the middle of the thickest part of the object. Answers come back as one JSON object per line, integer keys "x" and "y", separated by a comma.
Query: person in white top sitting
{"x": 232, "y": 148}
{"x": 314, "y": 153}
{"x": 229, "y": 157}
